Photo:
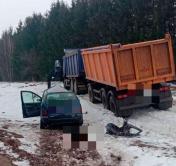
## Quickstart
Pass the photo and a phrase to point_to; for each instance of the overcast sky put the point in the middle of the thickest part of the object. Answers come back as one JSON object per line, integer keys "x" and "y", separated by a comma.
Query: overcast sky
{"x": 11, "y": 11}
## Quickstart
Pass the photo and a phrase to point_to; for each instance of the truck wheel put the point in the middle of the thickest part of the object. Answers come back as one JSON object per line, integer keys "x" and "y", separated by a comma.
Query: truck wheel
{"x": 91, "y": 94}
{"x": 123, "y": 113}
{"x": 65, "y": 84}
{"x": 72, "y": 85}
{"x": 112, "y": 104}
{"x": 76, "y": 90}
{"x": 104, "y": 99}
{"x": 164, "y": 106}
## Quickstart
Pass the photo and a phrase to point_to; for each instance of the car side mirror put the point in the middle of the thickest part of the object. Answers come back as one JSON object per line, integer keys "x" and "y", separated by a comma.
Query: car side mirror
{"x": 85, "y": 113}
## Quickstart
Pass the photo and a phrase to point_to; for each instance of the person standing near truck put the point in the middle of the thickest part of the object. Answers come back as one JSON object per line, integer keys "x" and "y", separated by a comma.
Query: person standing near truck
{"x": 55, "y": 74}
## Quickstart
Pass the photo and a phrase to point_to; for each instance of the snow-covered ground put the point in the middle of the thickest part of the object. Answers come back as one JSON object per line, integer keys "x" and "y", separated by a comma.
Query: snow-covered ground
{"x": 156, "y": 146}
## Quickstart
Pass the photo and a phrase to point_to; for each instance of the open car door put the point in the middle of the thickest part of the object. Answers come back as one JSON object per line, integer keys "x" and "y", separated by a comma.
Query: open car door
{"x": 31, "y": 104}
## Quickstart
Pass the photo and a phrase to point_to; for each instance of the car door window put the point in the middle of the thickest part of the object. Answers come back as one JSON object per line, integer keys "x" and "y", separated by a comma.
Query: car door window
{"x": 29, "y": 97}
{"x": 31, "y": 104}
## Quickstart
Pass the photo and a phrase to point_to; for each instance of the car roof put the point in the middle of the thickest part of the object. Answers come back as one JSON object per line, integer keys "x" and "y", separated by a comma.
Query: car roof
{"x": 57, "y": 89}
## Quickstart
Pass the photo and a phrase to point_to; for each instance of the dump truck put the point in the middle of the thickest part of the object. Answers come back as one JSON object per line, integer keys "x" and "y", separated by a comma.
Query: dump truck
{"x": 123, "y": 77}
{"x": 73, "y": 71}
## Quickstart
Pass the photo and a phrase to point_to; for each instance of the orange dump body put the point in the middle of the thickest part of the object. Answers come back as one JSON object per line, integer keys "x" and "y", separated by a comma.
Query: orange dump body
{"x": 122, "y": 66}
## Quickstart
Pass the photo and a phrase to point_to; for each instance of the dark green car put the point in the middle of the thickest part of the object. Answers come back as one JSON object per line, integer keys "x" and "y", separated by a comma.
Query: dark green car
{"x": 55, "y": 107}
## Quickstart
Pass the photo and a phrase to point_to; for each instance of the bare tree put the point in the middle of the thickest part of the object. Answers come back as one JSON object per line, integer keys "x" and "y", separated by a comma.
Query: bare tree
{"x": 6, "y": 52}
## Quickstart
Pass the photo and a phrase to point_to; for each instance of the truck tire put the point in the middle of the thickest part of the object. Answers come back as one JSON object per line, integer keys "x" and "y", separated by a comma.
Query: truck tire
{"x": 76, "y": 89}
{"x": 91, "y": 94}
{"x": 104, "y": 99}
{"x": 65, "y": 84}
{"x": 113, "y": 104}
{"x": 123, "y": 113}
{"x": 72, "y": 85}
{"x": 164, "y": 106}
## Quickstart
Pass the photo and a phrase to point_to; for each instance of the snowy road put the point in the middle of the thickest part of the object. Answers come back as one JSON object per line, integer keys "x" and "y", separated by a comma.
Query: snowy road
{"x": 25, "y": 144}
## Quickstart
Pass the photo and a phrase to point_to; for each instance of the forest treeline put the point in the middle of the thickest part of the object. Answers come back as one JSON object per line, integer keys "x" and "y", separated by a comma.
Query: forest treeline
{"x": 28, "y": 52}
